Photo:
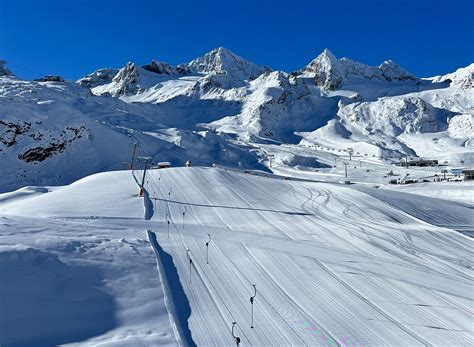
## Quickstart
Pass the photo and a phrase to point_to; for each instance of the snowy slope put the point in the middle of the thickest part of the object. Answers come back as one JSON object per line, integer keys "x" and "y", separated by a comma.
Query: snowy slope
{"x": 54, "y": 133}
{"x": 332, "y": 265}
{"x": 65, "y": 281}
{"x": 311, "y": 265}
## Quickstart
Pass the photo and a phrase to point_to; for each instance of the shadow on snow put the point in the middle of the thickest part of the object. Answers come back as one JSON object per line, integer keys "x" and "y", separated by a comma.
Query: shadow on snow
{"x": 45, "y": 302}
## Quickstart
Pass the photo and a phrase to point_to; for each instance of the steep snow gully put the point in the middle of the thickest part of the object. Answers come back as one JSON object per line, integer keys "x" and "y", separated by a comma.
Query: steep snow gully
{"x": 333, "y": 266}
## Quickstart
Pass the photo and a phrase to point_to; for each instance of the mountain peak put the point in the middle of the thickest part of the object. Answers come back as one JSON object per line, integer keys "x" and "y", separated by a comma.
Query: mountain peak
{"x": 325, "y": 57}
{"x": 128, "y": 74}
{"x": 327, "y": 54}
{"x": 222, "y": 50}
{"x": 330, "y": 72}
{"x": 391, "y": 70}
{"x": 126, "y": 78}
{"x": 326, "y": 69}
{"x": 222, "y": 61}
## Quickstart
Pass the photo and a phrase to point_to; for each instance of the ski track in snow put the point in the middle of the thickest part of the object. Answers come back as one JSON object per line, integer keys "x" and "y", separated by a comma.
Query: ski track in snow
{"x": 341, "y": 269}
{"x": 333, "y": 266}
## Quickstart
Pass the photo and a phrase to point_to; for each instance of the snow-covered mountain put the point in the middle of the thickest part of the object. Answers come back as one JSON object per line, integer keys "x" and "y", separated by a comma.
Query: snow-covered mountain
{"x": 223, "y": 61}
{"x": 463, "y": 78}
{"x": 223, "y": 108}
{"x": 330, "y": 72}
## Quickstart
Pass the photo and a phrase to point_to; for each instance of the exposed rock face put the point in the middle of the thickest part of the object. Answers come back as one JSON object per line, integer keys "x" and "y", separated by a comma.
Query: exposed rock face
{"x": 218, "y": 68}
{"x": 127, "y": 74}
{"x": 97, "y": 78}
{"x": 159, "y": 67}
{"x": 327, "y": 70}
{"x": 330, "y": 72}
{"x": 41, "y": 153}
{"x": 9, "y": 131}
{"x": 3, "y": 70}
{"x": 468, "y": 82}
{"x": 127, "y": 79}
{"x": 13, "y": 132}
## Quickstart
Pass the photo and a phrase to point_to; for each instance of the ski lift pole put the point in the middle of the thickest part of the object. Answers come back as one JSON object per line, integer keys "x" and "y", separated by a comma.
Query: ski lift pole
{"x": 146, "y": 160}
{"x": 236, "y": 338}
{"x": 207, "y": 248}
{"x": 190, "y": 264}
{"x": 184, "y": 213}
{"x": 252, "y": 298}
{"x": 134, "y": 149}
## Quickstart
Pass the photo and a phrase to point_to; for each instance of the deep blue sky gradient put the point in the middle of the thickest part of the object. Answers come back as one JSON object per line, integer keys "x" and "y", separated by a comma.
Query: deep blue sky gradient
{"x": 74, "y": 37}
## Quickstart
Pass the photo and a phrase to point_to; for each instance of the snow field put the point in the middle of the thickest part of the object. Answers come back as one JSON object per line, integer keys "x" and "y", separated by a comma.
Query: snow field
{"x": 76, "y": 268}
{"x": 332, "y": 266}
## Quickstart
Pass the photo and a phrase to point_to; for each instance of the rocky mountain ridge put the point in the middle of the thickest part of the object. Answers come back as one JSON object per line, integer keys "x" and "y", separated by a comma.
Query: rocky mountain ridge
{"x": 220, "y": 107}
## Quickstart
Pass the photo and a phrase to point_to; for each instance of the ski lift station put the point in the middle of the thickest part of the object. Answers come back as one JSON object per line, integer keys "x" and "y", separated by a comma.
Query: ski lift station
{"x": 462, "y": 173}
{"x": 419, "y": 162}
{"x": 468, "y": 175}
{"x": 162, "y": 165}
{"x": 50, "y": 78}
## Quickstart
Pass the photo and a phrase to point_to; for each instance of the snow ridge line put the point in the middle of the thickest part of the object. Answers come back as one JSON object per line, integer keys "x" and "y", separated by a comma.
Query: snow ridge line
{"x": 180, "y": 328}
{"x": 178, "y": 321}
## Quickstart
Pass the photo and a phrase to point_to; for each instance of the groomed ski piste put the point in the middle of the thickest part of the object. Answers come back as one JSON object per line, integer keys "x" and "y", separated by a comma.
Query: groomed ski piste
{"x": 332, "y": 265}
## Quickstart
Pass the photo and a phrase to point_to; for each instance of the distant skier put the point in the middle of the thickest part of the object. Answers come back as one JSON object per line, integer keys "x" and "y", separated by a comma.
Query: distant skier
{"x": 188, "y": 163}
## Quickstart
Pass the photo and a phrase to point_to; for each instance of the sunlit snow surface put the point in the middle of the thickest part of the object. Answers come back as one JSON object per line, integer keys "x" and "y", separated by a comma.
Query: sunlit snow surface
{"x": 332, "y": 265}
{"x": 67, "y": 281}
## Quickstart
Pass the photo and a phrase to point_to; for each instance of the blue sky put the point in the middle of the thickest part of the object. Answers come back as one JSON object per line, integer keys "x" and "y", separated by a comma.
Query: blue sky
{"x": 74, "y": 37}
